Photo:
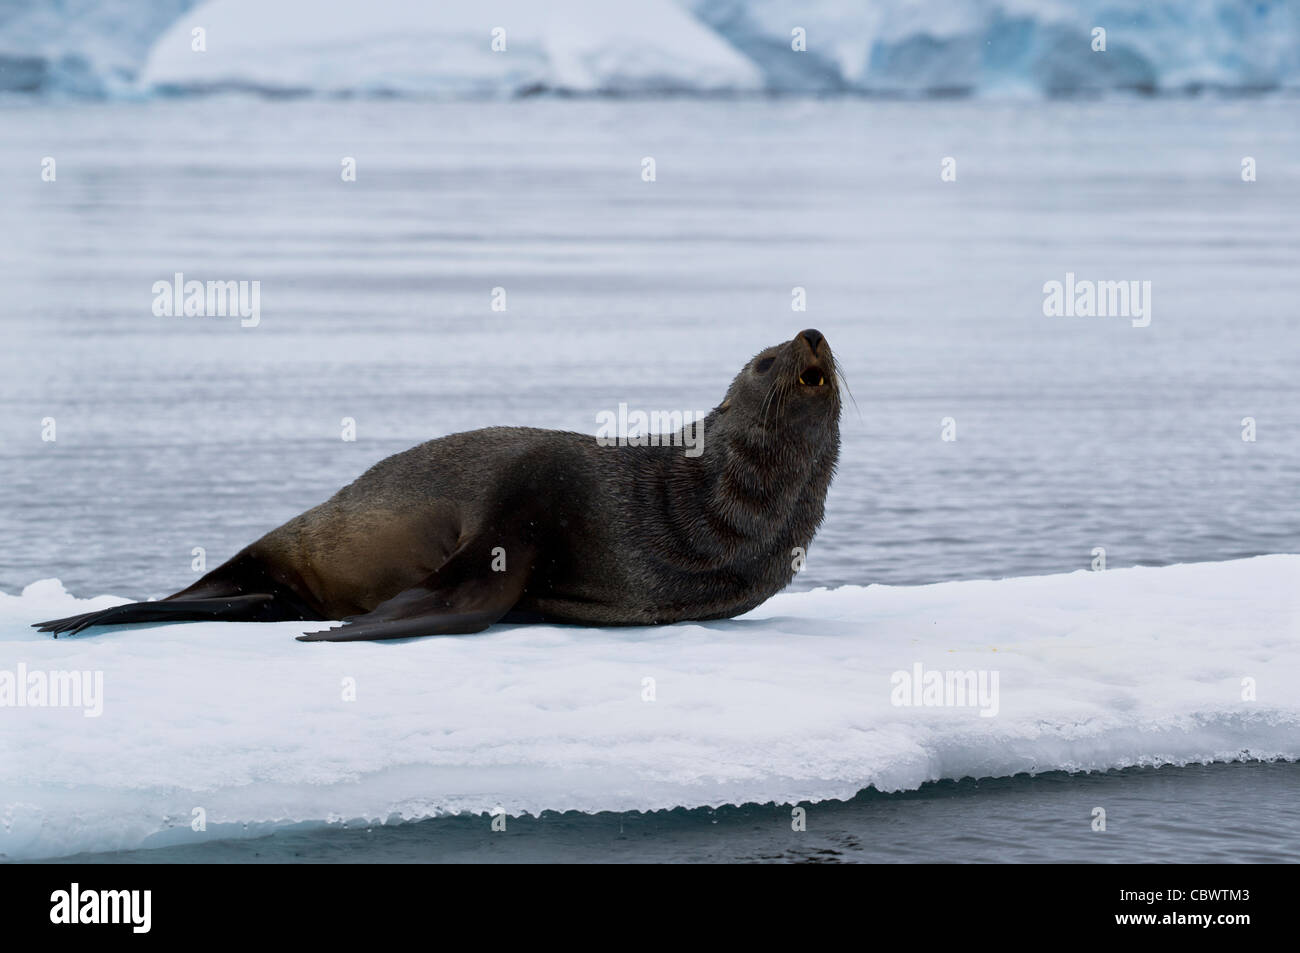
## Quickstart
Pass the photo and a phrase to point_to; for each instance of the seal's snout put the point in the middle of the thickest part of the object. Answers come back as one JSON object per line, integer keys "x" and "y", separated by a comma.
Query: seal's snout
{"x": 814, "y": 374}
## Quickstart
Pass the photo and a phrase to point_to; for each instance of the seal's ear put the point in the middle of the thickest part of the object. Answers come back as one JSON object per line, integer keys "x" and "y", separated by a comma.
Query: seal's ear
{"x": 725, "y": 404}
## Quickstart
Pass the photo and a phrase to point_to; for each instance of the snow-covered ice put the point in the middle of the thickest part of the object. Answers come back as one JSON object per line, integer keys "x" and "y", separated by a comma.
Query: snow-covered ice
{"x": 793, "y": 701}
{"x": 395, "y": 46}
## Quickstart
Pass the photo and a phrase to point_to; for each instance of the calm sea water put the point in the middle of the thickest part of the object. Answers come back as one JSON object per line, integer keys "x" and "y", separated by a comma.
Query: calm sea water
{"x": 1218, "y": 813}
{"x": 1072, "y": 433}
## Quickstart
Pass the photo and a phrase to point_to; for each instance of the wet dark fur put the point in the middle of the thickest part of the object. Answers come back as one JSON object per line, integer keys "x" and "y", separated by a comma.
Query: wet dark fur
{"x": 598, "y": 535}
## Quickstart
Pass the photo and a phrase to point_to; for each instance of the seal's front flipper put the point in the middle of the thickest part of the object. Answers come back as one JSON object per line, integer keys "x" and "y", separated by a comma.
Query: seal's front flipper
{"x": 359, "y": 629}
{"x": 464, "y": 596}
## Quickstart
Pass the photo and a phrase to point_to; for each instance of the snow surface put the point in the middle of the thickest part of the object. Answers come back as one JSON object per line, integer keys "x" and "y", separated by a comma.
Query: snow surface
{"x": 444, "y": 48}
{"x": 793, "y": 701}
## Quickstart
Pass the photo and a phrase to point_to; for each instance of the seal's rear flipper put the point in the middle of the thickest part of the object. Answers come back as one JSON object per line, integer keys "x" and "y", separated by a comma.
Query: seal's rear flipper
{"x": 240, "y": 608}
{"x": 462, "y": 597}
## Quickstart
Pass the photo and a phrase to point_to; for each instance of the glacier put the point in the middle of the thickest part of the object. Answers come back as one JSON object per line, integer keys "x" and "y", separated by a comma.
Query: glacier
{"x": 141, "y": 48}
{"x": 1016, "y": 47}
{"x": 797, "y": 700}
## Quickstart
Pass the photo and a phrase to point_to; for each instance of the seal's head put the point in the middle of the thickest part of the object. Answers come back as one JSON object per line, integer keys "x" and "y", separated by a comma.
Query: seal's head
{"x": 788, "y": 390}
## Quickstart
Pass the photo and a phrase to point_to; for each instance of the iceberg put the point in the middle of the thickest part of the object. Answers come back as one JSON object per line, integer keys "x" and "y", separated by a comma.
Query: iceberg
{"x": 82, "y": 48}
{"x": 812, "y": 696}
{"x": 134, "y": 48}
{"x": 487, "y": 48}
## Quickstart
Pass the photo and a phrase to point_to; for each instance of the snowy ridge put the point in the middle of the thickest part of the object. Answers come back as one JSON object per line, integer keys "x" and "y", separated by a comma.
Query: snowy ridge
{"x": 793, "y": 701}
{"x": 132, "y": 48}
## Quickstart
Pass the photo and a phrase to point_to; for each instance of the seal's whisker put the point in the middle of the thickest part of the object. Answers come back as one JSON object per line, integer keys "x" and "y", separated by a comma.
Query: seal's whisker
{"x": 767, "y": 401}
{"x": 841, "y": 379}
{"x": 786, "y": 389}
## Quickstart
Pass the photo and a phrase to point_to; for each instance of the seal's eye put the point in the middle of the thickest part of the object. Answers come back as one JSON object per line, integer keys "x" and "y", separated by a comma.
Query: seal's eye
{"x": 763, "y": 364}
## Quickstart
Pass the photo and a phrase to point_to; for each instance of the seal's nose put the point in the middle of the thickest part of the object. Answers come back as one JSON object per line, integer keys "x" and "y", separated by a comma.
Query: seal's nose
{"x": 813, "y": 337}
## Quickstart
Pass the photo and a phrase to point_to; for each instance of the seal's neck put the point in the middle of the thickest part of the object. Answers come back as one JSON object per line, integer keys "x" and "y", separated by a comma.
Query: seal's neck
{"x": 772, "y": 457}
{"x": 752, "y": 488}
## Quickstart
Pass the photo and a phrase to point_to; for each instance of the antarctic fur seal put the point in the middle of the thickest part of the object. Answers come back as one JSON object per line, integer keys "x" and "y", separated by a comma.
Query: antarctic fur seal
{"x": 518, "y": 524}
